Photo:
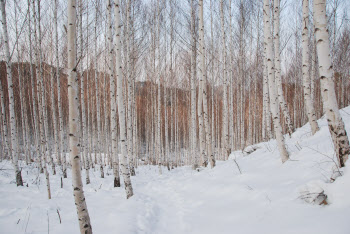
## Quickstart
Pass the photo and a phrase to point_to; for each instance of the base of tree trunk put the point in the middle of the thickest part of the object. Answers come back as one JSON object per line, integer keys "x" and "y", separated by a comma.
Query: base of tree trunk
{"x": 116, "y": 182}
{"x": 19, "y": 180}
{"x": 102, "y": 172}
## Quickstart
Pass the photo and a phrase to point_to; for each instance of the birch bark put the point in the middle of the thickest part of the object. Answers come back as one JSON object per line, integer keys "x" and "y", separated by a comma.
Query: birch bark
{"x": 276, "y": 41}
{"x": 79, "y": 197}
{"x": 272, "y": 85}
{"x": 121, "y": 106}
{"x": 115, "y": 157}
{"x": 335, "y": 122}
{"x": 203, "y": 86}
{"x": 13, "y": 130}
{"x": 309, "y": 104}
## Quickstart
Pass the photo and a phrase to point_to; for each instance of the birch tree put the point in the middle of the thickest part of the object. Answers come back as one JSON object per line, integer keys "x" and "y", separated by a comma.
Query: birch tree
{"x": 120, "y": 99}
{"x": 306, "y": 77}
{"x": 97, "y": 95}
{"x": 276, "y": 41}
{"x": 335, "y": 122}
{"x": 13, "y": 131}
{"x": 130, "y": 88}
{"x": 59, "y": 102}
{"x": 115, "y": 157}
{"x": 41, "y": 99}
{"x": 159, "y": 150}
{"x": 203, "y": 86}
{"x": 224, "y": 56}
{"x": 271, "y": 80}
{"x": 79, "y": 197}
{"x": 193, "y": 87}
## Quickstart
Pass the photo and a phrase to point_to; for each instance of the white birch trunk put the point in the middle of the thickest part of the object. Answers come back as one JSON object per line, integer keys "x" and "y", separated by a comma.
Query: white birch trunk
{"x": 121, "y": 106}
{"x": 59, "y": 102}
{"x": 193, "y": 88}
{"x": 13, "y": 132}
{"x": 272, "y": 85}
{"x": 34, "y": 94}
{"x": 79, "y": 197}
{"x": 42, "y": 105}
{"x": 159, "y": 98}
{"x": 97, "y": 93}
{"x": 112, "y": 84}
{"x": 335, "y": 122}
{"x": 130, "y": 86}
{"x": 88, "y": 161}
{"x": 203, "y": 86}
{"x": 224, "y": 77}
{"x": 231, "y": 62}
{"x": 309, "y": 104}
{"x": 276, "y": 41}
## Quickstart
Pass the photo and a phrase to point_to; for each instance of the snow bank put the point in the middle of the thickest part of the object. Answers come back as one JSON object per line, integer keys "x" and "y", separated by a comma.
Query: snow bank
{"x": 265, "y": 198}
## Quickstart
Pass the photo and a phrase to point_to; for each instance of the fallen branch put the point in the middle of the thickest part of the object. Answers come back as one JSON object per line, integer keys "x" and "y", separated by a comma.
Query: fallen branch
{"x": 59, "y": 216}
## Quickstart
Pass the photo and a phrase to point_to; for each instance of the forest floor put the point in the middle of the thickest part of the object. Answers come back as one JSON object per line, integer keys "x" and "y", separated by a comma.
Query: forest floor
{"x": 265, "y": 198}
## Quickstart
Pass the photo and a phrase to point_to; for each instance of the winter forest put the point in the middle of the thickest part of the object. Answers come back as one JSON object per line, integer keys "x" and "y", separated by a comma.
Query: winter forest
{"x": 174, "y": 116}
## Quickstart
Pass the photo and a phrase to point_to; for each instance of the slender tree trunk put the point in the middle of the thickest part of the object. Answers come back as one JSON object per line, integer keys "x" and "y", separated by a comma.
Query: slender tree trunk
{"x": 13, "y": 132}
{"x": 231, "y": 83}
{"x": 98, "y": 108}
{"x": 193, "y": 88}
{"x": 112, "y": 84}
{"x": 42, "y": 105}
{"x": 276, "y": 41}
{"x": 159, "y": 97}
{"x": 121, "y": 106}
{"x": 306, "y": 78}
{"x": 79, "y": 197}
{"x": 224, "y": 57}
{"x": 203, "y": 86}
{"x": 272, "y": 85}
{"x": 59, "y": 102}
{"x": 130, "y": 86}
{"x": 335, "y": 122}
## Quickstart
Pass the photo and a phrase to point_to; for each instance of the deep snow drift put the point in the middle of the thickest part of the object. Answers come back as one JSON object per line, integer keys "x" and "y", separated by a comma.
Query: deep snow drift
{"x": 265, "y": 198}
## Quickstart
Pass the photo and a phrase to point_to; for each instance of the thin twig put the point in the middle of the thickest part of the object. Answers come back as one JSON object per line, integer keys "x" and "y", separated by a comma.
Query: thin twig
{"x": 59, "y": 216}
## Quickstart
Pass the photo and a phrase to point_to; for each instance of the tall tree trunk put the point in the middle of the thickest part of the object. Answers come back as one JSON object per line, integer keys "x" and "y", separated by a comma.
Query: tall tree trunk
{"x": 97, "y": 93}
{"x": 306, "y": 77}
{"x": 335, "y": 122}
{"x": 203, "y": 86}
{"x": 159, "y": 146}
{"x": 59, "y": 102}
{"x": 121, "y": 106}
{"x": 42, "y": 103}
{"x": 112, "y": 83}
{"x": 79, "y": 197}
{"x": 130, "y": 87}
{"x": 276, "y": 41}
{"x": 272, "y": 85}
{"x": 224, "y": 57}
{"x": 193, "y": 88}
{"x": 13, "y": 140}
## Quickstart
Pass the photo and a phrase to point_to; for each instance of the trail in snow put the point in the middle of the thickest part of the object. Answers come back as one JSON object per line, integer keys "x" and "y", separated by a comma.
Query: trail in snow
{"x": 263, "y": 199}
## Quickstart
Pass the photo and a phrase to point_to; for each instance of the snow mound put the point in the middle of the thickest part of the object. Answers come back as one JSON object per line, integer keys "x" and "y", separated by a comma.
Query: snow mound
{"x": 265, "y": 198}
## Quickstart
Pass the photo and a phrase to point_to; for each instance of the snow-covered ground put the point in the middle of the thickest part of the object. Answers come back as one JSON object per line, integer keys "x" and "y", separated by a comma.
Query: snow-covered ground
{"x": 265, "y": 198}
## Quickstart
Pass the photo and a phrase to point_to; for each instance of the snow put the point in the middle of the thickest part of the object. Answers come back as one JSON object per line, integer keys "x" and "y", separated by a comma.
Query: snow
{"x": 265, "y": 198}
